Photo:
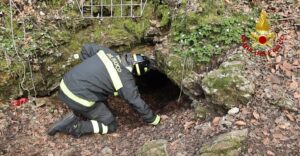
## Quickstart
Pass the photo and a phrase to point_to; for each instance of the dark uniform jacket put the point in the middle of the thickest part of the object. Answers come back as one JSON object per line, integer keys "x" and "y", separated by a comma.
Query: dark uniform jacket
{"x": 102, "y": 74}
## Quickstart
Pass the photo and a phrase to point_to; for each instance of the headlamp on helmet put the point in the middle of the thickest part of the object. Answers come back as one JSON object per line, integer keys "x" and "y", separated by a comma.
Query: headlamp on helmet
{"x": 140, "y": 64}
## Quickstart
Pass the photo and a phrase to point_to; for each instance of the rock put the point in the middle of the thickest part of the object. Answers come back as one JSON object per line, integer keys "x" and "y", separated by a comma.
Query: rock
{"x": 106, "y": 151}
{"x": 233, "y": 111}
{"x": 227, "y": 85}
{"x": 201, "y": 112}
{"x": 226, "y": 122}
{"x": 181, "y": 154}
{"x": 154, "y": 148}
{"x": 69, "y": 152}
{"x": 285, "y": 103}
{"x": 225, "y": 144}
{"x": 216, "y": 121}
{"x": 41, "y": 101}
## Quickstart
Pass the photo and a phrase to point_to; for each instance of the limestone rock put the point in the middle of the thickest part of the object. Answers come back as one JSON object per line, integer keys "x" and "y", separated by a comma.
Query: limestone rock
{"x": 227, "y": 85}
{"x": 106, "y": 151}
{"x": 229, "y": 144}
{"x": 154, "y": 148}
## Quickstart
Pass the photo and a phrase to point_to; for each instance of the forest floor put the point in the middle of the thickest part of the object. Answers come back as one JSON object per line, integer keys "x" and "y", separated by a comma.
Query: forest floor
{"x": 273, "y": 130}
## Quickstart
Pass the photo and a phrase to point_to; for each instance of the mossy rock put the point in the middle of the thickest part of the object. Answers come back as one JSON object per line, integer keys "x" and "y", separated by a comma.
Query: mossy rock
{"x": 228, "y": 144}
{"x": 227, "y": 85}
{"x": 154, "y": 148}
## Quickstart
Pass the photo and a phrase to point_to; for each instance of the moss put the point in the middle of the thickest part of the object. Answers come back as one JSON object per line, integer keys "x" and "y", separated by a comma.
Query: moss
{"x": 201, "y": 112}
{"x": 208, "y": 30}
{"x": 163, "y": 12}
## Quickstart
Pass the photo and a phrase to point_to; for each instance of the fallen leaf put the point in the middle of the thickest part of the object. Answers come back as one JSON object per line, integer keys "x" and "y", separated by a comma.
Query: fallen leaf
{"x": 245, "y": 111}
{"x": 294, "y": 85}
{"x": 288, "y": 73}
{"x": 287, "y": 65}
{"x": 265, "y": 132}
{"x": 256, "y": 115}
{"x": 228, "y": 1}
{"x": 188, "y": 124}
{"x": 278, "y": 136}
{"x": 270, "y": 153}
{"x": 273, "y": 70}
{"x": 278, "y": 59}
{"x": 296, "y": 95}
{"x": 116, "y": 135}
{"x": 240, "y": 123}
{"x": 296, "y": 62}
{"x": 266, "y": 141}
{"x": 253, "y": 120}
{"x": 216, "y": 121}
{"x": 163, "y": 117}
{"x": 290, "y": 117}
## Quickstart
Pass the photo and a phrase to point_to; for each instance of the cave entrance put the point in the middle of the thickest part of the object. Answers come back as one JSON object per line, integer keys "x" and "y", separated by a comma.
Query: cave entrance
{"x": 156, "y": 89}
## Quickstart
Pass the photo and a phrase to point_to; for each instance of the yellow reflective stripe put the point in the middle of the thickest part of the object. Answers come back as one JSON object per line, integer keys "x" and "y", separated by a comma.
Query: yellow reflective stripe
{"x": 95, "y": 126}
{"x": 156, "y": 121}
{"x": 75, "y": 98}
{"x": 111, "y": 70}
{"x": 134, "y": 57}
{"x": 104, "y": 129}
{"x": 138, "y": 69}
{"x": 145, "y": 69}
{"x": 116, "y": 93}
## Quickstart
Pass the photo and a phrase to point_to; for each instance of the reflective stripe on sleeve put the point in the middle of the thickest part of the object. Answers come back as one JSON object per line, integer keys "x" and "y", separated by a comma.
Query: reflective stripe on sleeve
{"x": 75, "y": 98}
{"x": 95, "y": 126}
{"x": 156, "y": 121}
{"x": 111, "y": 70}
{"x": 104, "y": 129}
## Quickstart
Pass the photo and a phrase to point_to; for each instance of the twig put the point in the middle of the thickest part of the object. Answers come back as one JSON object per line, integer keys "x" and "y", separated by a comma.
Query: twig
{"x": 182, "y": 77}
{"x": 287, "y": 18}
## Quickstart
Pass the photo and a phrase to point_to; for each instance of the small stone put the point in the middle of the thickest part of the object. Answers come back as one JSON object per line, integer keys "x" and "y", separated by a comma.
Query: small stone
{"x": 106, "y": 151}
{"x": 270, "y": 153}
{"x": 240, "y": 123}
{"x": 216, "y": 121}
{"x": 154, "y": 147}
{"x": 42, "y": 13}
{"x": 233, "y": 111}
{"x": 256, "y": 115}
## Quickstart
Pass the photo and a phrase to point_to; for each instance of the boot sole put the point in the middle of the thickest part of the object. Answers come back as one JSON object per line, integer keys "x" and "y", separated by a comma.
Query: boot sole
{"x": 52, "y": 131}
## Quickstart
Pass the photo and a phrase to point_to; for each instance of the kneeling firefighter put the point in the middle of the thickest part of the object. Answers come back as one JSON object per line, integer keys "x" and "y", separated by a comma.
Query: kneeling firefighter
{"x": 85, "y": 89}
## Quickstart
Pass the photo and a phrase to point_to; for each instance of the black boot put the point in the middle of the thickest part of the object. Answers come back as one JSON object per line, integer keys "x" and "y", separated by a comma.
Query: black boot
{"x": 65, "y": 125}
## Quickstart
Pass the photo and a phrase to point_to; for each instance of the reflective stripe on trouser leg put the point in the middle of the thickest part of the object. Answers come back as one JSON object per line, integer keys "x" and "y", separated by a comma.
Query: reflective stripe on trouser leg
{"x": 104, "y": 129}
{"x": 97, "y": 129}
{"x": 156, "y": 121}
{"x": 95, "y": 126}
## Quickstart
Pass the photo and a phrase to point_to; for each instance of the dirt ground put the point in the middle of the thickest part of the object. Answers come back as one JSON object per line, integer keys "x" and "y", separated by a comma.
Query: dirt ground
{"x": 272, "y": 130}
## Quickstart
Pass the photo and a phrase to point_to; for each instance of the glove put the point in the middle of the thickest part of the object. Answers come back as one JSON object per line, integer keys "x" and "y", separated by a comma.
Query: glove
{"x": 156, "y": 120}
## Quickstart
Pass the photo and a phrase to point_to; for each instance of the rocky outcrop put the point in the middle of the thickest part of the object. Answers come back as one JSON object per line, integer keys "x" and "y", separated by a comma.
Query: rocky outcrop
{"x": 227, "y": 85}
{"x": 154, "y": 147}
{"x": 35, "y": 65}
{"x": 228, "y": 144}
